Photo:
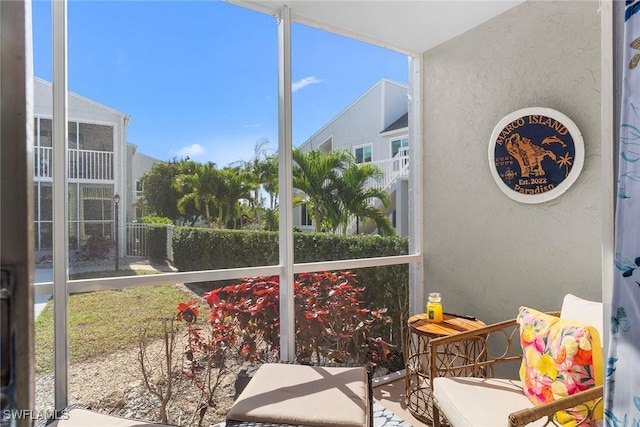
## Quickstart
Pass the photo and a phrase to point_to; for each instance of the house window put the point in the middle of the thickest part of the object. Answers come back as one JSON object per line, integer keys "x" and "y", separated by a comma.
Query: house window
{"x": 73, "y": 135}
{"x": 363, "y": 153}
{"x": 399, "y": 144}
{"x": 95, "y": 212}
{"x": 305, "y": 219}
{"x": 139, "y": 188}
{"x": 96, "y": 203}
{"x": 95, "y": 137}
{"x": 45, "y": 133}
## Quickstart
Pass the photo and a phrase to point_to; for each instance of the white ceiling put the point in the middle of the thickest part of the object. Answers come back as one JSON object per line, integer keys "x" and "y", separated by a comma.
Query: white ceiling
{"x": 406, "y": 26}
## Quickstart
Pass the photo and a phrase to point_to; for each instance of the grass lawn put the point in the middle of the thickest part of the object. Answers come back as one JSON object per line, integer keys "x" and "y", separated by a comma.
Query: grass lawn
{"x": 103, "y": 322}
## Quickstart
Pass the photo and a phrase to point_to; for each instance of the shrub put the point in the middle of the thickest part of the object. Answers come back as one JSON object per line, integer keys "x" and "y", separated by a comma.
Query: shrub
{"x": 208, "y": 249}
{"x": 157, "y": 242}
{"x": 384, "y": 286}
{"x": 206, "y": 352}
{"x": 98, "y": 247}
{"x": 331, "y": 323}
{"x": 205, "y": 249}
{"x": 154, "y": 219}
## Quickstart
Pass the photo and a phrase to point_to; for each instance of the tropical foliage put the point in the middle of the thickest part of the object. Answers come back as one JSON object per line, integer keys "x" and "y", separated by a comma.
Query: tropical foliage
{"x": 160, "y": 196}
{"x": 198, "y": 186}
{"x": 154, "y": 219}
{"x": 332, "y": 325}
{"x": 317, "y": 174}
{"x": 336, "y": 191}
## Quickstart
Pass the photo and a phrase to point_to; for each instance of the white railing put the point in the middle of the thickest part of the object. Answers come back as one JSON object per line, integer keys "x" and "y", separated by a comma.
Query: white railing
{"x": 90, "y": 164}
{"x": 43, "y": 162}
{"x": 83, "y": 164}
{"x": 137, "y": 240}
{"x": 392, "y": 169}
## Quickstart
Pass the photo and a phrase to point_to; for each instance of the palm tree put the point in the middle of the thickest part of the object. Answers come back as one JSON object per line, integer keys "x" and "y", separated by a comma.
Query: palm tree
{"x": 356, "y": 194}
{"x": 200, "y": 184}
{"x": 269, "y": 178}
{"x": 262, "y": 171}
{"x": 316, "y": 174}
{"x": 235, "y": 185}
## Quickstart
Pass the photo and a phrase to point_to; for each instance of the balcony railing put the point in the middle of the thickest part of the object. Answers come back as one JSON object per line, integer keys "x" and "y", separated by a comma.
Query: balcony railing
{"x": 392, "y": 169}
{"x": 83, "y": 164}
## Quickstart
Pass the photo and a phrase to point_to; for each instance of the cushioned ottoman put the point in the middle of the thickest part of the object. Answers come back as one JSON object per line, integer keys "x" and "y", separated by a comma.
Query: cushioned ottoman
{"x": 305, "y": 395}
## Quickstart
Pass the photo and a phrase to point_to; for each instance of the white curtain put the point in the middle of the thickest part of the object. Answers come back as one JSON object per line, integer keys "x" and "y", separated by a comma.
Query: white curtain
{"x": 622, "y": 400}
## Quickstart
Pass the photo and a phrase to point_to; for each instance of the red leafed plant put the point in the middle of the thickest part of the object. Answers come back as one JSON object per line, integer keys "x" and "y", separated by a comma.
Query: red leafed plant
{"x": 331, "y": 325}
{"x": 330, "y": 321}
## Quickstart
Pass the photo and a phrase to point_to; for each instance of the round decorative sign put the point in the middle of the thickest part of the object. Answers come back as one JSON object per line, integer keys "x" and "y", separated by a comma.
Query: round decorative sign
{"x": 535, "y": 154}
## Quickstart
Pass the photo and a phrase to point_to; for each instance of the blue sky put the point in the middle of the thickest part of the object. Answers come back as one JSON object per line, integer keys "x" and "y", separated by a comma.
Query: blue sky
{"x": 200, "y": 78}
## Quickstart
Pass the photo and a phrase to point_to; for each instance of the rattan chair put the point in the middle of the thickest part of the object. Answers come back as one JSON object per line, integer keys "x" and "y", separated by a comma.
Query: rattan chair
{"x": 475, "y": 359}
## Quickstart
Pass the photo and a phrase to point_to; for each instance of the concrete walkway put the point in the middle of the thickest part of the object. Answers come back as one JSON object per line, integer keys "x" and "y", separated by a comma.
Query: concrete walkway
{"x": 44, "y": 274}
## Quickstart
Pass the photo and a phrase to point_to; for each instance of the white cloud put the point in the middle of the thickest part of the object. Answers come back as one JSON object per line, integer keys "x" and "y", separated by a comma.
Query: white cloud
{"x": 296, "y": 86}
{"x": 192, "y": 150}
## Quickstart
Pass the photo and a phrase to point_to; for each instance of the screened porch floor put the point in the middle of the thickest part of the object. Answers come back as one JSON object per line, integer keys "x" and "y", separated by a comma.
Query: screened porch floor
{"x": 390, "y": 393}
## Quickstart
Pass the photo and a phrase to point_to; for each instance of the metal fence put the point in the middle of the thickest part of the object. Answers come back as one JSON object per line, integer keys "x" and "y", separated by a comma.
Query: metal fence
{"x": 137, "y": 240}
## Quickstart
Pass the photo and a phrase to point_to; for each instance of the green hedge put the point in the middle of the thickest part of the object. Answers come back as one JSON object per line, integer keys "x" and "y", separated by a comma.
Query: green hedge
{"x": 157, "y": 242}
{"x": 210, "y": 249}
{"x": 385, "y": 286}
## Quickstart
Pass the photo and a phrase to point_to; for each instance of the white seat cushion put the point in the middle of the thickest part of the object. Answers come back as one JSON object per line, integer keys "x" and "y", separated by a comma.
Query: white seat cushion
{"x": 308, "y": 395}
{"x": 583, "y": 311}
{"x": 479, "y": 402}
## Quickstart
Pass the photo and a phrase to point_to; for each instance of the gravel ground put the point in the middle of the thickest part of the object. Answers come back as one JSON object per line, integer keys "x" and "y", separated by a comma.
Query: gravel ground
{"x": 114, "y": 385}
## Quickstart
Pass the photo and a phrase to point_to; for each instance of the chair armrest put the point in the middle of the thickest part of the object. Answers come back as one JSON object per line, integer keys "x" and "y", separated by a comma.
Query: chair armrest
{"x": 587, "y": 399}
{"x": 468, "y": 353}
{"x": 476, "y": 352}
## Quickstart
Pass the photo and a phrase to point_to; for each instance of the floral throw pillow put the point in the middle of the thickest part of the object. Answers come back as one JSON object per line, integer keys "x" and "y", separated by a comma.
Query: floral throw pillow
{"x": 560, "y": 357}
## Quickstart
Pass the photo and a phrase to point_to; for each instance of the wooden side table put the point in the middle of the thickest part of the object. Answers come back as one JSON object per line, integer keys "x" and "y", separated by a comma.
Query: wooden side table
{"x": 418, "y": 391}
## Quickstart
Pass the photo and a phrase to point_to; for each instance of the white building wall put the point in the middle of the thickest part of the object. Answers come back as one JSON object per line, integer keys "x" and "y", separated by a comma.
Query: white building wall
{"x": 362, "y": 121}
{"x": 486, "y": 253}
{"x": 394, "y": 102}
{"x": 79, "y": 108}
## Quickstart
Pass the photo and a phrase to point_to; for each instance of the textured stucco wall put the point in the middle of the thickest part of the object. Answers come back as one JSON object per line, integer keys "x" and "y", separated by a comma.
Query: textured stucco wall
{"x": 486, "y": 253}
